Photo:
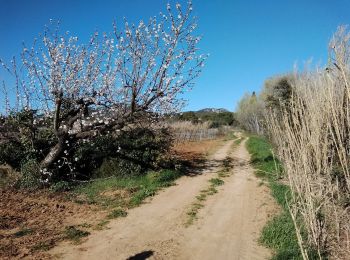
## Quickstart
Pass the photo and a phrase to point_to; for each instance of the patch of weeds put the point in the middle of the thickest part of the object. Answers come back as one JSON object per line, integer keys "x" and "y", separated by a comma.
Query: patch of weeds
{"x": 85, "y": 225}
{"x": 61, "y": 186}
{"x": 223, "y": 174}
{"x": 238, "y": 141}
{"x": 279, "y": 234}
{"x": 201, "y": 197}
{"x": 193, "y": 212}
{"x": 23, "y": 232}
{"x": 212, "y": 190}
{"x": 216, "y": 182}
{"x": 43, "y": 246}
{"x": 117, "y": 213}
{"x": 102, "y": 225}
{"x": 134, "y": 189}
{"x": 74, "y": 234}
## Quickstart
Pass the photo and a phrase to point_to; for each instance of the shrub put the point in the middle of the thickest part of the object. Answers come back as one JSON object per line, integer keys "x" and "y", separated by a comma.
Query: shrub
{"x": 12, "y": 153}
{"x": 31, "y": 177}
{"x": 117, "y": 213}
{"x": 129, "y": 153}
{"x": 61, "y": 186}
{"x": 74, "y": 234}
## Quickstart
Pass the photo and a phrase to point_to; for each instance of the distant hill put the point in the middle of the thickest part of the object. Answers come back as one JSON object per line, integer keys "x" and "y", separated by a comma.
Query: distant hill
{"x": 217, "y": 116}
{"x": 212, "y": 110}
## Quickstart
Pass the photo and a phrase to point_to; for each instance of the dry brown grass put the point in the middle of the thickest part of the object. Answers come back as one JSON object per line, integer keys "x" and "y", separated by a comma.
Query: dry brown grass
{"x": 204, "y": 147}
{"x": 312, "y": 139}
{"x": 188, "y": 131}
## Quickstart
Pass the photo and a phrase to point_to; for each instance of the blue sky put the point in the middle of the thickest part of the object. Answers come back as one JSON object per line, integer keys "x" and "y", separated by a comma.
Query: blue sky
{"x": 248, "y": 41}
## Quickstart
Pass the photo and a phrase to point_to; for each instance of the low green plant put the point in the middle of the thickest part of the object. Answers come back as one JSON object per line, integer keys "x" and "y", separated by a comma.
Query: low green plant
{"x": 23, "y": 232}
{"x": 117, "y": 213}
{"x": 61, "y": 186}
{"x": 216, "y": 182}
{"x": 238, "y": 141}
{"x": 138, "y": 189}
{"x": 43, "y": 246}
{"x": 75, "y": 234}
{"x": 101, "y": 225}
{"x": 31, "y": 177}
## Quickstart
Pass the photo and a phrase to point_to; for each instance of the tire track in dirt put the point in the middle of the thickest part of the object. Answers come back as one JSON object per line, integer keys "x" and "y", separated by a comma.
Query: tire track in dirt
{"x": 228, "y": 227}
{"x": 230, "y": 223}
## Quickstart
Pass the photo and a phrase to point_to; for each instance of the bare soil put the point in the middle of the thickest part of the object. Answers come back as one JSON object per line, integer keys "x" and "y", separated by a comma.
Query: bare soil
{"x": 32, "y": 222}
{"x": 228, "y": 227}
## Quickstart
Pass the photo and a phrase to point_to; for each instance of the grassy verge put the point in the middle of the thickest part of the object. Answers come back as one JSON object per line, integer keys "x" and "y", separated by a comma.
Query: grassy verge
{"x": 122, "y": 193}
{"x": 278, "y": 234}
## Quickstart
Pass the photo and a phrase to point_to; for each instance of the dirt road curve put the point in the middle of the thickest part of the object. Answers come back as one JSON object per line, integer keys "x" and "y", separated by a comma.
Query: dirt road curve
{"x": 227, "y": 228}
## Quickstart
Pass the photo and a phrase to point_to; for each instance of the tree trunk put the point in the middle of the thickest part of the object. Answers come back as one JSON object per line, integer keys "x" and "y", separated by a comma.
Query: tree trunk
{"x": 52, "y": 156}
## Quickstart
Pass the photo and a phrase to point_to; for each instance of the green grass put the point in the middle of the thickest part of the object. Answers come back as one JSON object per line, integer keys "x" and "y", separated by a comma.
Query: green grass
{"x": 216, "y": 182}
{"x": 238, "y": 141}
{"x": 75, "y": 234}
{"x": 279, "y": 233}
{"x": 118, "y": 194}
{"x": 23, "y": 232}
{"x": 138, "y": 188}
{"x": 43, "y": 246}
{"x": 117, "y": 213}
{"x": 101, "y": 225}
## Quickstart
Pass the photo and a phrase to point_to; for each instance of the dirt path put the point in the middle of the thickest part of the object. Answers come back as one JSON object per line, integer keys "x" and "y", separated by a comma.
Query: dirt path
{"x": 227, "y": 228}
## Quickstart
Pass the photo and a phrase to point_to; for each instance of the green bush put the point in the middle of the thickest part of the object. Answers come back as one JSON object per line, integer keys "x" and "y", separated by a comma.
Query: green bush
{"x": 61, "y": 186}
{"x": 118, "y": 167}
{"x": 12, "y": 153}
{"x": 31, "y": 177}
{"x": 131, "y": 153}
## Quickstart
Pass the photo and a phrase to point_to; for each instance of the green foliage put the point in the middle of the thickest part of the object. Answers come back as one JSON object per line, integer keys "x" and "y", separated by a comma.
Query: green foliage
{"x": 43, "y": 246}
{"x": 139, "y": 187}
{"x": 128, "y": 154}
{"x": 279, "y": 234}
{"x": 118, "y": 167}
{"x": 61, "y": 186}
{"x": 74, "y": 234}
{"x": 216, "y": 182}
{"x": 31, "y": 177}
{"x": 277, "y": 92}
{"x": 12, "y": 153}
{"x": 250, "y": 113}
{"x": 217, "y": 119}
{"x": 262, "y": 158}
{"x": 23, "y": 232}
{"x": 188, "y": 116}
{"x": 117, "y": 213}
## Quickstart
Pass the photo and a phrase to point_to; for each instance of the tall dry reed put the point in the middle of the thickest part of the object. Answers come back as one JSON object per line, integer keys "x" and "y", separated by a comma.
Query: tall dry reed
{"x": 188, "y": 131}
{"x": 312, "y": 137}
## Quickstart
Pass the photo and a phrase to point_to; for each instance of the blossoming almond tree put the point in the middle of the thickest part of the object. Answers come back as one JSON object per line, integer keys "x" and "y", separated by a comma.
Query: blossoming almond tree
{"x": 83, "y": 90}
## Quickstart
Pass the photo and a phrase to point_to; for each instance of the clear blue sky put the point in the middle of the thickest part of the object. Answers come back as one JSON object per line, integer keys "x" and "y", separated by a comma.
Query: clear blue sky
{"x": 248, "y": 41}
